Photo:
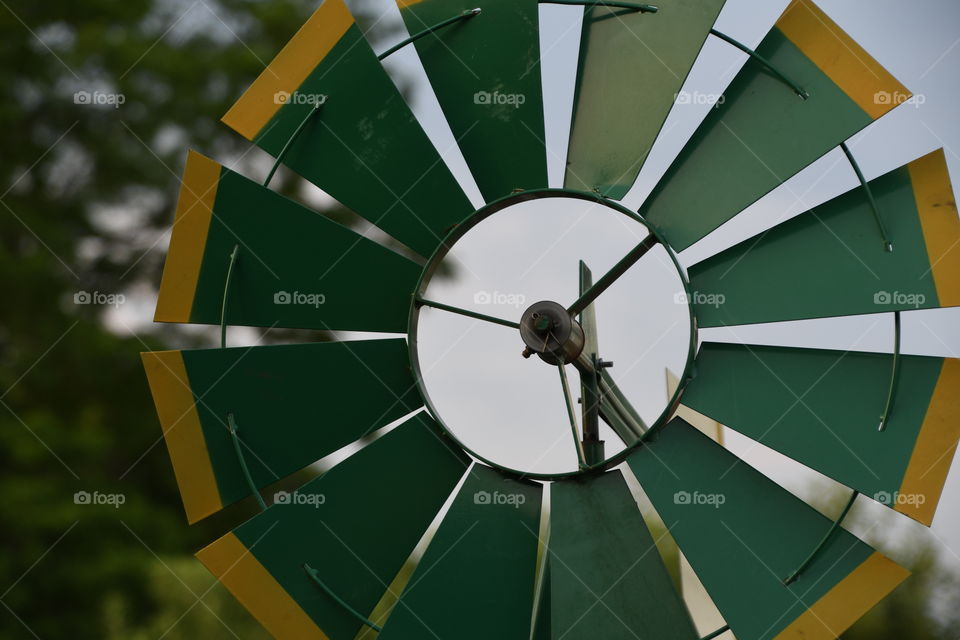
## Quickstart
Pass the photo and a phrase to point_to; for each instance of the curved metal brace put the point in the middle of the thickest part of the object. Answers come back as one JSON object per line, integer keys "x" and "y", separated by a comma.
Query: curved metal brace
{"x": 716, "y": 633}
{"x": 315, "y": 576}
{"x": 226, "y": 290}
{"x": 243, "y": 463}
{"x": 800, "y": 91}
{"x": 873, "y": 203}
{"x": 296, "y": 134}
{"x": 581, "y": 457}
{"x": 894, "y": 373}
{"x": 469, "y": 13}
{"x": 833, "y": 528}
{"x": 589, "y": 4}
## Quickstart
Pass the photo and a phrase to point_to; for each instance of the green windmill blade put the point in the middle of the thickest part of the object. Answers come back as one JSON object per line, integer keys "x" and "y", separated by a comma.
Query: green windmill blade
{"x": 632, "y": 66}
{"x": 487, "y": 547}
{"x": 606, "y": 572}
{"x": 485, "y": 72}
{"x": 315, "y": 565}
{"x": 822, "y": 408}
{"x": 764, "y": 132}
{"x": 852, "y": 272}
{"x": 286, "y": 410}
{"x": 294, "y": 268}
{"x": 327, "y": 108}
{"x": 759, "y": 535}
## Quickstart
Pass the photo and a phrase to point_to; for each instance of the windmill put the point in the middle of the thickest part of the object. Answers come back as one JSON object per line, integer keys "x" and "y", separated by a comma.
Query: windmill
{"x": 318, "y": 563}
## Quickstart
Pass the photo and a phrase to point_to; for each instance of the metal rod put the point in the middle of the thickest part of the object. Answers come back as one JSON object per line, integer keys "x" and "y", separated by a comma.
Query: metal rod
{"x": 759, "y": 58}
{"x": 826, "y": 537}
{"x": 469, "y": 13}
{"x": 286, "y": 147}
{"x": 614, "y": 396}
{"x": 572, "y": 416}
{"x": 611, "y": 276}
{"x": 226, "y": 290}
{"x": 466, "y": 312}
{"x": 716, "y": 633}
{"x": 315, "y": 576}
{"x": 589, "y": 382}
{"x": 642, "y": 8}
{"x": 243, "y": 463}
{"x": 894, "y": 373}
{"x": 873, "y": 203}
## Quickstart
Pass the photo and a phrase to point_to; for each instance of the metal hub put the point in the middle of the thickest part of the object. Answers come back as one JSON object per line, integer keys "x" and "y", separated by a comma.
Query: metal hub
{"x": 548, "y": 330}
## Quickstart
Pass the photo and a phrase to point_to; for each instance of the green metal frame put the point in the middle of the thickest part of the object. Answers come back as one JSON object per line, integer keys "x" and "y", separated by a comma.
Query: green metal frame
{"x": 440, "y": 253}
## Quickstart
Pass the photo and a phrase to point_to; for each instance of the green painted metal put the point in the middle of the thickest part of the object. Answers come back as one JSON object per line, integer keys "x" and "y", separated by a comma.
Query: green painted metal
{"x": 482, "y": 214}
{"x": 633, "y": 6}
{"x": 741, "y": 532}
{"x": 759, "y": 137}
{"x": 722, "y": 630}
{"x": 226, "y": 293}
{"x": 357, "y": 524}
{"x": 423, "y": 302}
{"x": 297, "y": 403}
{"x": 571, "y": 417}
{"x": 611, "y": 276}
{"x": 244, "y": 468}
{"x": 333, "y": 277}
{"x": 485, "y": 73}
{"x": 315, "y": 576}
{"x": 632, "y": 67}
{"x": 819, "y": 407}
{"x": 593, "y": 449}
{"x": 823, "y": 541}
{"x": 366, "y": 149}
{"x": 293, "y": 138}
{"x": 797, "y": 89}
{"x": 544, "y": 610}
{"x": 894, "y": 374}
{"x": 476, "y": 579}
{"x": 774, "y": 276}
{"x": 469, "y": 13}
{"x": 866, "y": 188}
{"x": 607, "y": 577}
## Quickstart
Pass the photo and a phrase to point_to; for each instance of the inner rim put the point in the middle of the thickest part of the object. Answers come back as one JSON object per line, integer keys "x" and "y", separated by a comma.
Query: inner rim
{"x": 459, "y": 232}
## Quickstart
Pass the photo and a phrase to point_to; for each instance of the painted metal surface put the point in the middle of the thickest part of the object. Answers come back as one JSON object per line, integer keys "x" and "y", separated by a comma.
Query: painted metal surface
{"x": 294, "y": 267}
{"x": 822, "y": 408}
{"x": 356, "y": 525}
{"x": 762, "y": 133}
{"x": 832, "y": 261}
{"x": 476, "y": 578}
{"x": 294, "y": 404}
{"x": 364, "y": 147}
{"x": 758, "y": 534}
{"x": 632, "y": 66}
{"x": 485, "y": 73}
{"x": 607, "y": 578}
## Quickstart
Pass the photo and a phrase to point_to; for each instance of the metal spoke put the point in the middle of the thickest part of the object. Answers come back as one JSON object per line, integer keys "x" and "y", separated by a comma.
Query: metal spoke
{"x": 612, "y": 275}
{"x": 466, "y": 312}
{"x": 571, "y": 414}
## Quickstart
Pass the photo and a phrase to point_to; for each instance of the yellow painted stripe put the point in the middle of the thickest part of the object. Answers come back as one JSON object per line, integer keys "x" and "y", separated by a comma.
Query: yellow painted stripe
{"x": 190, "y": 227}
{"x": 933, "y": 453}
{"x": 937, "y": 207}
{"x": 250, "y": 583}
{"x": 295, "y": 62}
{"x": 182, "y": 432}
{"x": 846, "y": 602}
{"x": 844, "y": 61}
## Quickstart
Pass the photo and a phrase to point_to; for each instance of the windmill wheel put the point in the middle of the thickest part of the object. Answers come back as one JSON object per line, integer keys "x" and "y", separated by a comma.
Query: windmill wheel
{"x": 503, "y": 559}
